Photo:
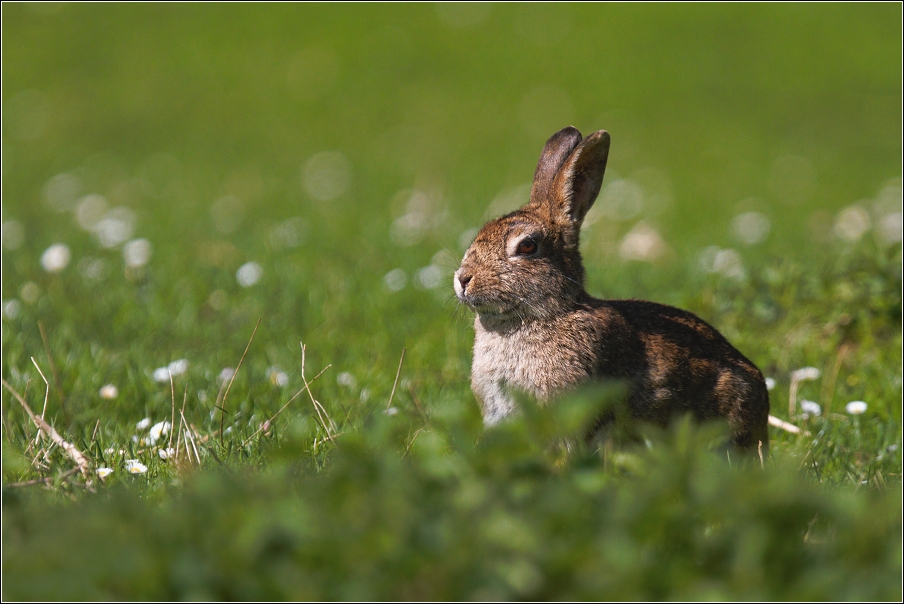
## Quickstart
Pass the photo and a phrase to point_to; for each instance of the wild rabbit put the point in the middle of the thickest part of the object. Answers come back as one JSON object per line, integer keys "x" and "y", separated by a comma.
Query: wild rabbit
{"x": 539, "y": 331}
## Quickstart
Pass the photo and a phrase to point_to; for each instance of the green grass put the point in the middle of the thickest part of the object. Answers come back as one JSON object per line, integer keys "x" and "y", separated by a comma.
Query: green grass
{"x": 203, "y": 122}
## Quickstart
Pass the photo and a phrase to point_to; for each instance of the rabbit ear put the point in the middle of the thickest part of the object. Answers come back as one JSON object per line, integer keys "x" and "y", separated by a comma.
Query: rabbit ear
{"x": 557, "y": 149}
{"x": 578, "y": 181}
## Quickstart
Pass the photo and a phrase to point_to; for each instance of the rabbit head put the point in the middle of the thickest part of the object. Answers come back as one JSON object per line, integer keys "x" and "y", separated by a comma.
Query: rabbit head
{"x": 527, "y": 264}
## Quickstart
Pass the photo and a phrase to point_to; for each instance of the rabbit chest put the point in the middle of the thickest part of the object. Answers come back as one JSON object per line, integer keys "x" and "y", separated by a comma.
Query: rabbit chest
{"x": 538, "y": 358}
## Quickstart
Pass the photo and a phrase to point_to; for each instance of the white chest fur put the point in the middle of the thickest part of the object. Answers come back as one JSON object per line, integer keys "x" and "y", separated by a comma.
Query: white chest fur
{"x": 539, "y": 358}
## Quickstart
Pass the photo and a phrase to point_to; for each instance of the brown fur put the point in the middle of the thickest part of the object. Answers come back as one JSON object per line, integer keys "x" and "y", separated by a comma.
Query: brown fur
{"x": 538, "y": 331}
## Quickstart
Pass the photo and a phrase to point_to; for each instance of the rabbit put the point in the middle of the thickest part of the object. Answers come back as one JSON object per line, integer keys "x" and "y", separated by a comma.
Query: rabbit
{"x": 538, "y": 331}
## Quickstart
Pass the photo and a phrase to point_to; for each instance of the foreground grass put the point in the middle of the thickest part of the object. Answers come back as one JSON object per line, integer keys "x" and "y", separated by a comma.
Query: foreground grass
{"x": 435, "y": 516}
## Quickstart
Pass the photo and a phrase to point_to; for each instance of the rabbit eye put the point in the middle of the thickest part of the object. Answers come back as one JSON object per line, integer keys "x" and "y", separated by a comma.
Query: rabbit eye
{"x": 526, "y": 247}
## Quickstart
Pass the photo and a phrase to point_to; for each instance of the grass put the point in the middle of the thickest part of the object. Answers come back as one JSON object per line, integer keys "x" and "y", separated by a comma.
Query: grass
{"x": 347, "y": 152}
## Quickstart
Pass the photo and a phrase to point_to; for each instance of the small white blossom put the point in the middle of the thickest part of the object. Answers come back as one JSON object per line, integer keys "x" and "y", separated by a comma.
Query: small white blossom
{"x": 277, "y": 377}
{"x": 11, "y": 309}
{"x": 855, "y": 407}
{"x": 158, "y": 430}
{"x": 249, "y": 274}
{"x": 395, "y": 279}
{"x": 133, "y": 466}
{"x": 226, "y": 374}
{"x": 166, "y": 453}
{"x": 178, "y": 367}
{"x": 810, "y": 408}
{"x": 109, "y": 392}
{"x": 143, "y": 424}
{"x": 161, "y": 374}
{"x": 346, "y": 379}
{"x": 770, "y": 383}
{"x": 137, "y": 252}
{"x": 391, "y": 411}
{"x": 806, "y": 373}
{"x": 55, "y": 258}
{"x": 104, "y": 472}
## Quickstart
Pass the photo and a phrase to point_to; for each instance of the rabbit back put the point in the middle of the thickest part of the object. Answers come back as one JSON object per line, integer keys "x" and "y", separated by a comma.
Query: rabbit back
{"x": 677, "y": 363}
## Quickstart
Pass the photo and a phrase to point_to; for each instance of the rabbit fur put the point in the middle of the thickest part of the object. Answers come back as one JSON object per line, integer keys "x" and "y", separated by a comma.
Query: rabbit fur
{"x": 538, "y": 331}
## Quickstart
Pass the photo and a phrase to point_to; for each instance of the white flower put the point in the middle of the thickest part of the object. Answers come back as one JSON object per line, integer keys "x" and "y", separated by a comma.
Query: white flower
{"x": 109, "y": 392}
{"x": 810, "y": 408}
{"x": 55, "y": 258}
{"x": 806, "y": 373}
{"x": 137, "y": 252}
{"x": 750, "y": 227}
{"x": 104, "y": 472}
{"x": 346, "y": 379}
{"x": 642, "y": 243}
{"x": 158, "y": 430}
{"x": 855, "y": 407}
{"x": 249, "y": 274}
{"x": 166, "y": 453}
{"x": 327, "y": 175}
{"x": 430, "y": 277}
{"x": 770, "y": 383}
{"x": 161, "y": 374}
{"x": 226, "y": 374}
{"x": 143, "y": 424}
{"x": 178, "y": 367}
{"x": 11, "y": 309}
{"x": 391, "y": 411}
{"x": 133, "y": 466}
{"x": 277, "y": 377}
{"x": 395, "y": 279}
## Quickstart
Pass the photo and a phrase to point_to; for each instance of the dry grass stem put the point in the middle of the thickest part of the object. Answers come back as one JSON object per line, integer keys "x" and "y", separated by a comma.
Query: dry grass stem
{"x": 318, "y": 408}
{"x": 40, "y": 465}
{"x": 417, "y": 403}
{"x": 45, "y": 480}
{"x": 297, "y": 394}
{"x": 54, "y": 372}
{"x": 179, "y": 438}
{"x": 828, "y": 393}
{"x": 46, "y": 396}
{"x": 396, "y": 382}
{"x": 281, "y": 409}
{"x": 172, "y": 408}
{"x": 74, "y": 454}
{"x": 786, "y": 426}
{"x": 232, "y": 378}
{"x": 190, "y": 438}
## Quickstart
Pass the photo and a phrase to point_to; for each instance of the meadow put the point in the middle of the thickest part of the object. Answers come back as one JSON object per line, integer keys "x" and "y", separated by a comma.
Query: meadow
{"x": 229, "y": 234}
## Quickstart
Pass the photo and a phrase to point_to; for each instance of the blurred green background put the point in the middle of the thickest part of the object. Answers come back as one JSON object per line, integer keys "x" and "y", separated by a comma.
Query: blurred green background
{"x": 797, "y": 107}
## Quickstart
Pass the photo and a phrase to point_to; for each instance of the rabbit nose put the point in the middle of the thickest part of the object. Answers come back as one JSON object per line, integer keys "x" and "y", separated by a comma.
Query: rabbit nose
{"x": 464, "y": 280}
